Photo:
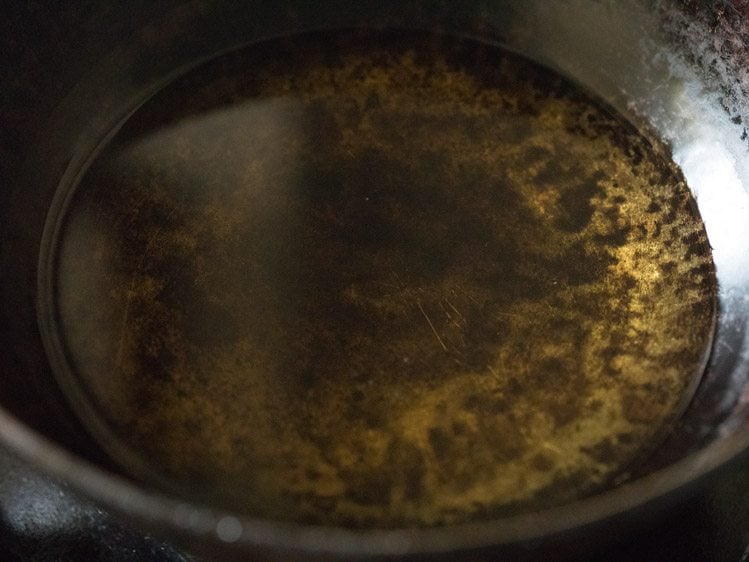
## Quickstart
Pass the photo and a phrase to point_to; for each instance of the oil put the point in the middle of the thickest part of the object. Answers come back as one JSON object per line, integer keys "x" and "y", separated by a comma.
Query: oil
{"x": 377, "y": 280}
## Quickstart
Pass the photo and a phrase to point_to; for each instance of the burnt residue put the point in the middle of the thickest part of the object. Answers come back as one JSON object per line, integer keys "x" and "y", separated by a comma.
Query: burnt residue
{"x": 380, "y": 280}
{"x": 712, "y": 35}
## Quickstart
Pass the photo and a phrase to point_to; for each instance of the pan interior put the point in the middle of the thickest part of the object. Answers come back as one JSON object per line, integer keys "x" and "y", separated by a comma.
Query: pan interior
{"x": 375, "y": 280}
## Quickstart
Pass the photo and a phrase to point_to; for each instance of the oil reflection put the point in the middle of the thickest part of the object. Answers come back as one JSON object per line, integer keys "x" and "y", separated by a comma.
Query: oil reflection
{"x": 723, "y": 201}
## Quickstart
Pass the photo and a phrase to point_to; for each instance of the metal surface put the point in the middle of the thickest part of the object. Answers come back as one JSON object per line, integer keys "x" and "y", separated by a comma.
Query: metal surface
{"x": 479, "y": 295}
{"x": 651, "y": 62}
{"x": 41, "y": 521}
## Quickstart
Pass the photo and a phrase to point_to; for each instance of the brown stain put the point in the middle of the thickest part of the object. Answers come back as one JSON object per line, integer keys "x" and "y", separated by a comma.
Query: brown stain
{"x": 428, "y": 267}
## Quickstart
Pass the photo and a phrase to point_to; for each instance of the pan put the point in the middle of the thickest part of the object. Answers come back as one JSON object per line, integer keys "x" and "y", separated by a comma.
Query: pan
{"x": 108, "y": 384}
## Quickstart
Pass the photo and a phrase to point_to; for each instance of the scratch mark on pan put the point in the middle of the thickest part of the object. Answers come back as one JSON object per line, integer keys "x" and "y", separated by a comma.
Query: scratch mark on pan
{"x": 436, "y": 335}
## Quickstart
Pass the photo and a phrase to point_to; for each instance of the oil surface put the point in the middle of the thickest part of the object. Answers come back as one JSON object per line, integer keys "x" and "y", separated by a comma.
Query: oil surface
{"x": 380, "y": 280}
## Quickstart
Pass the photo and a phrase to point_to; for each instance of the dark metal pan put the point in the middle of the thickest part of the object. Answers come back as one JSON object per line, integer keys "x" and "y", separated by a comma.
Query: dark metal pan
{"x": 71, "y": 73}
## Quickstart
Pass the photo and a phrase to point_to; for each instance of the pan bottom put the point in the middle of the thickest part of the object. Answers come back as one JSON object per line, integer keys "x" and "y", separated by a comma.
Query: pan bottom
{"x": 378, "y": 279}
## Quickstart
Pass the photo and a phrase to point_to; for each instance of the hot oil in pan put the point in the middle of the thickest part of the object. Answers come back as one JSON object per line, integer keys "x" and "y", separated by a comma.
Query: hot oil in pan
{"x": 380, "y": 280}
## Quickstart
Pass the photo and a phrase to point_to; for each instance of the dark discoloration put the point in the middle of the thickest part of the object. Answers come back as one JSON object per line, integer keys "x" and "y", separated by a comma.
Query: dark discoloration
{"x": 654, "y": 207}
{"x": 602, "y": 451}
{"x": 577, "y": 205}
{"x": 383, "y": 280}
